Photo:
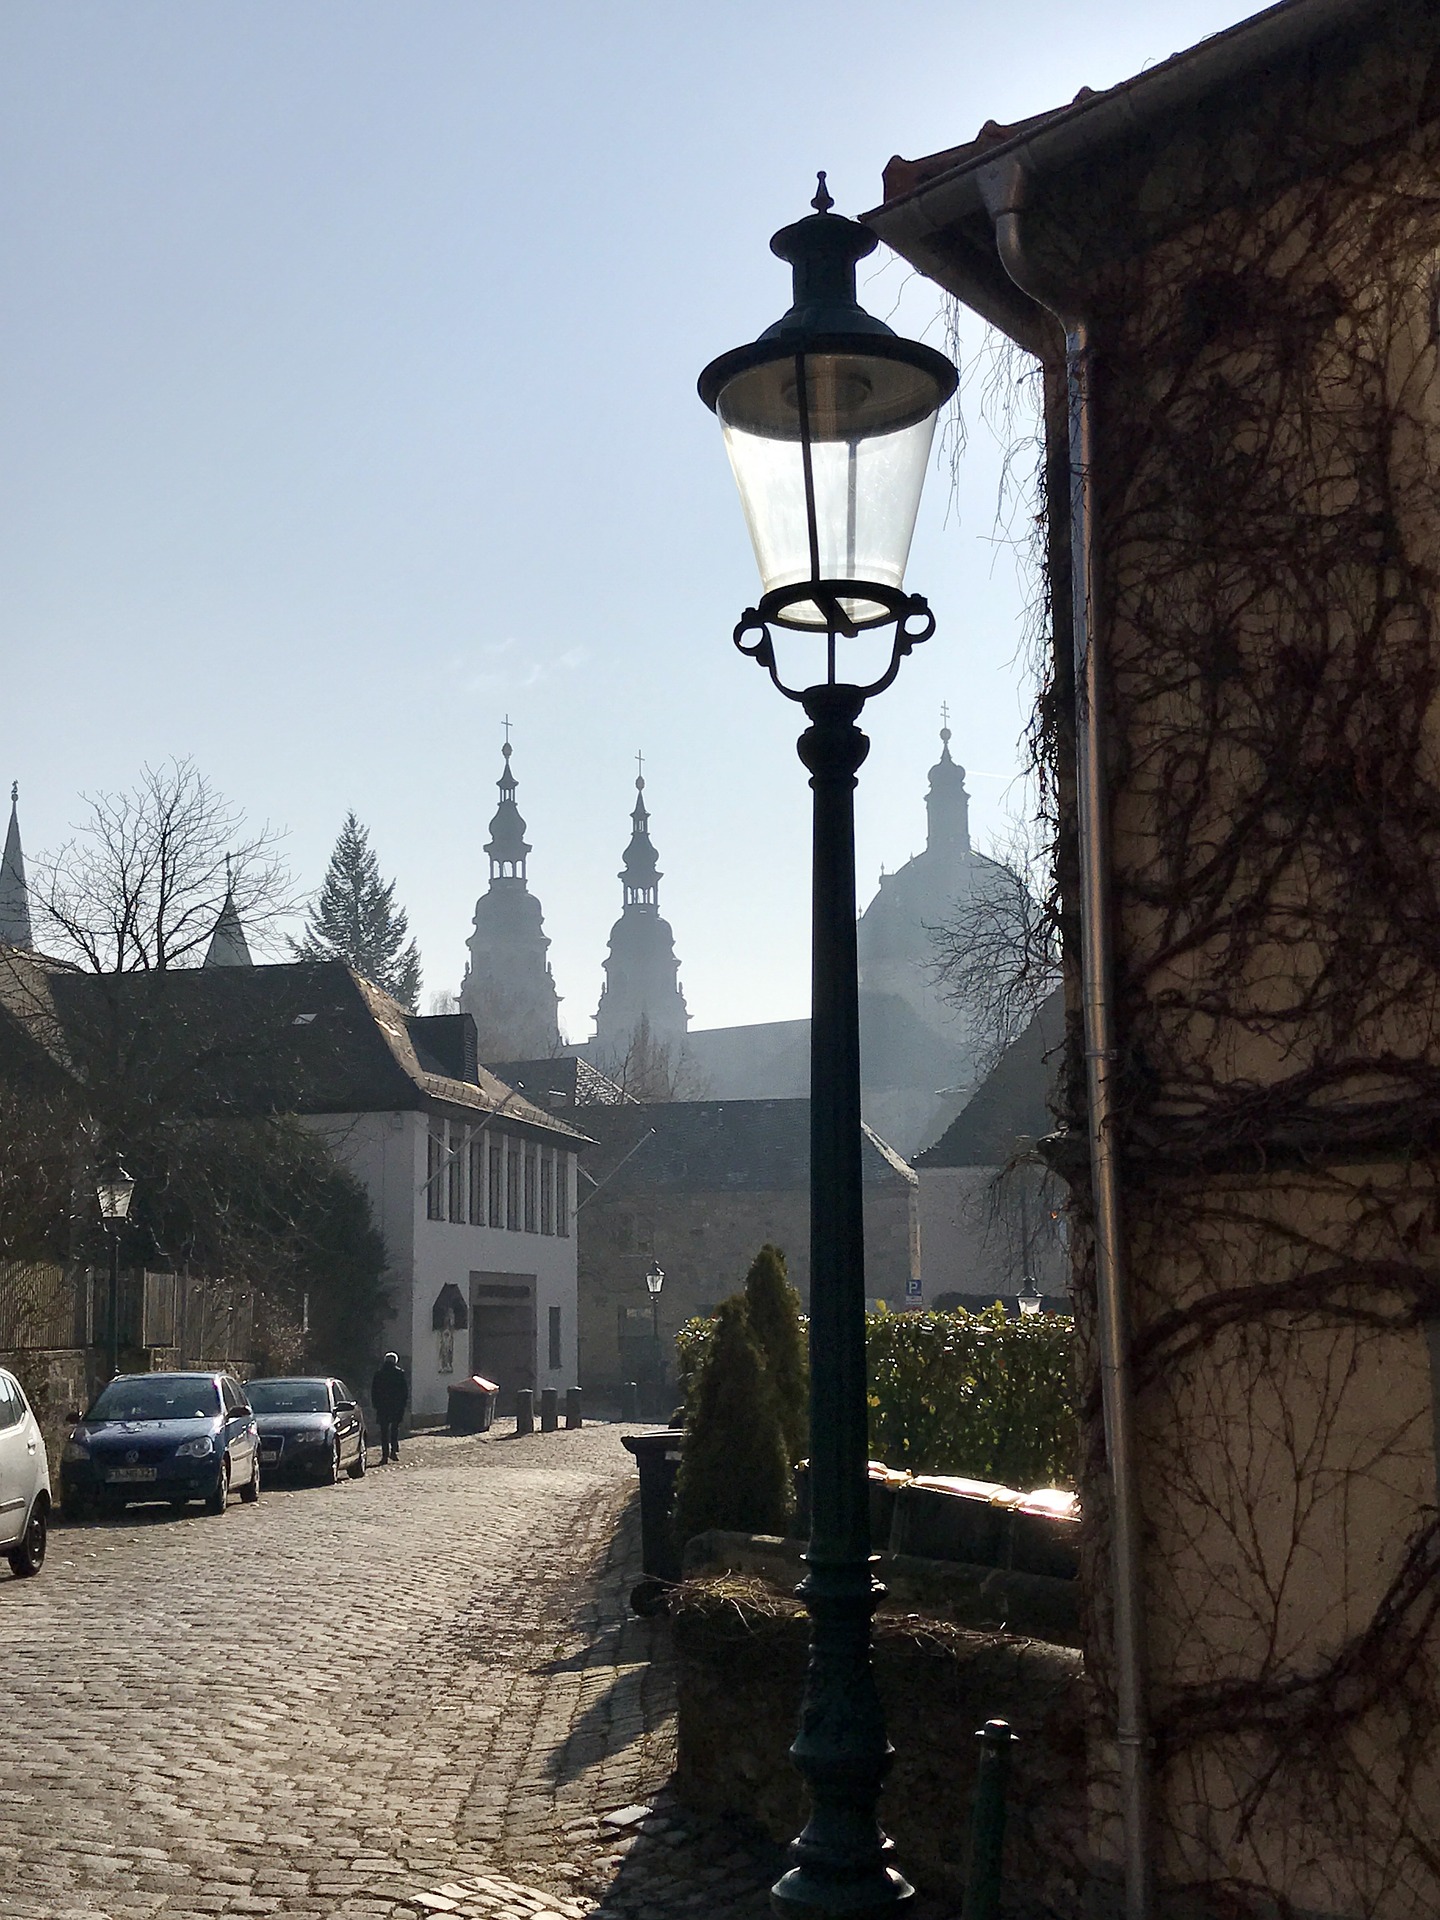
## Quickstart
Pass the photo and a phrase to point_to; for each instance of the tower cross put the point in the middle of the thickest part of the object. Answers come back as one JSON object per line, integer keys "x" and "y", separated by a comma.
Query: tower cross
{"x": 639, "y": 766}
{"x": 944, "y": 713}
{"x": 507, "y": 729}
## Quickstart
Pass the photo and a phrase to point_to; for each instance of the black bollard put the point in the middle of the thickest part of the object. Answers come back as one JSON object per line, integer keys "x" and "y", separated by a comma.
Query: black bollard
{"x": 549, "y": 1410}
{"x": 524, "y": 1411}
{"x": 987, "y": 1823}
{"x": 573, "y": 1416}
{"x": 630, "y": 1402}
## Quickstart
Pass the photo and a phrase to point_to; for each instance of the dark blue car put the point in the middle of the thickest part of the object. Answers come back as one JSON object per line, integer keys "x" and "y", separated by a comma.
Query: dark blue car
{"x": 162, "y": 1436}
{"x": 310, "y": 1427}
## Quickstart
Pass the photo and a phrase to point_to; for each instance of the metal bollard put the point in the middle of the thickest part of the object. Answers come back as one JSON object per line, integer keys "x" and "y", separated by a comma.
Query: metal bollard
{"x": 524, "y": 1411}
{"x": 630, "y": 1402}
{"x": 573, "y": 1415}
{"x": 549, "y": 1410}
{"x": 987, "y": 1823}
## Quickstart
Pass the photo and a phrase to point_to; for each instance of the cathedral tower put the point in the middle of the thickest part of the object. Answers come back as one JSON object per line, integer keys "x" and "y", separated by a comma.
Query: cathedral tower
{"x": 508, "y": 989}
{"x": 641, "y": 971}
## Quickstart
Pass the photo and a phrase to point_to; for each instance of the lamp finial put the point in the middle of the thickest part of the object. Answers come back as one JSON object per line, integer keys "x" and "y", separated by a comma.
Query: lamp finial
{"x": 822, "y": 202}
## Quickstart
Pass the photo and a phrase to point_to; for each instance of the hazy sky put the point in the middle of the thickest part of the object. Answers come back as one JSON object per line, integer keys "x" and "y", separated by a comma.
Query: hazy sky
{"x": 347, "y": 364}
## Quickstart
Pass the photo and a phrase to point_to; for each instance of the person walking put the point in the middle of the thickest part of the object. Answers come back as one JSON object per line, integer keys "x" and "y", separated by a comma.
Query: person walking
{"x": 390, "y": 1395}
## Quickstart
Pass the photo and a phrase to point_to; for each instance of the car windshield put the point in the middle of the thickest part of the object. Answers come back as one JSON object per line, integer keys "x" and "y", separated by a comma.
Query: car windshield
{"x": 176, "y": 1397}
{"x": 289, "y": 1396}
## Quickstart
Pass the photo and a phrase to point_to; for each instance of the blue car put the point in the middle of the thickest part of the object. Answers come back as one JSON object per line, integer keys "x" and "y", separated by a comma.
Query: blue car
{"x": 311, "y": 1428}
{"x": 162, "y": 1436}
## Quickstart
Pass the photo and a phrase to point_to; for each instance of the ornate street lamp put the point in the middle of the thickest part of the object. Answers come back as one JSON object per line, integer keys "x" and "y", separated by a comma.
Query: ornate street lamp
{"x": 114, "y": 1189}
{"x": 655, "y": 1280}
{"x": 1029, "y": 1299}
{"x": 828, "y": 420}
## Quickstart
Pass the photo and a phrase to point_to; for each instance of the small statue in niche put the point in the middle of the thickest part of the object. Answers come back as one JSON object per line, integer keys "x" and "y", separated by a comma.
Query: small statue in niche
{"x": 445, "y": 1343}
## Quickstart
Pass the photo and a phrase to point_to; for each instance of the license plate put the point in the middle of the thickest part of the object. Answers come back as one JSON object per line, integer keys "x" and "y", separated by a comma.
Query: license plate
{"x": 131, "y": 1473}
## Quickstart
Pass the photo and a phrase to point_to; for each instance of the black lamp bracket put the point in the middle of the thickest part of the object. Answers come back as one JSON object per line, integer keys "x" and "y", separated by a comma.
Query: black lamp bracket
{"x": 908, "y": 613}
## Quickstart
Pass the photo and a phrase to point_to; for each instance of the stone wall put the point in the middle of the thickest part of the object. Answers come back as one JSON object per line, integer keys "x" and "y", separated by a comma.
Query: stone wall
{"x": 740, "y": 1658}
{"x": 705, "y": 1242}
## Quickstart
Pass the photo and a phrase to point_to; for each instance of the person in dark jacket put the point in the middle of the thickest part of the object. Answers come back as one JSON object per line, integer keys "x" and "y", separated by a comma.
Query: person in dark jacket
{"x": 390, "y": 1395}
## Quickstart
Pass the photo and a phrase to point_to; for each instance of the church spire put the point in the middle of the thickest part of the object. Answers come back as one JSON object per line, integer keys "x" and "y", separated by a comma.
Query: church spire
{"x": 508, "y": 988}
{"x": 507, "y": 846}
{"x": 947, "y": 804}
{"x": 640, "y": 875}
{"x": 642, "y": 993}
{"x": 14, "y": 894}
{"x": 228, "y": 945}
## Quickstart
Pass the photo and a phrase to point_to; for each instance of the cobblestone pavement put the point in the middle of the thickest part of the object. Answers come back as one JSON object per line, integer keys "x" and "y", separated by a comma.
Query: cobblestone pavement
{"x": 420, "y": 1692}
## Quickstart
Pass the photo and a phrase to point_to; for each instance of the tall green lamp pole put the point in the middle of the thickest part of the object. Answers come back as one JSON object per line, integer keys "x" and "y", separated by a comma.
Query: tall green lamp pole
{"x": 828, "y": 419}
{"x": 114, "y": 1189}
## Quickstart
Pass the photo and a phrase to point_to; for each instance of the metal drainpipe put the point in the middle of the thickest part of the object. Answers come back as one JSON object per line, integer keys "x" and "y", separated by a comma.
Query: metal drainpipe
{"x": 1005, "y": 198}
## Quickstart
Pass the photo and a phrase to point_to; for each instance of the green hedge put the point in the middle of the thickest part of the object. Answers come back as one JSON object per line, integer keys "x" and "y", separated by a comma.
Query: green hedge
{"x": 977, "y": 1394}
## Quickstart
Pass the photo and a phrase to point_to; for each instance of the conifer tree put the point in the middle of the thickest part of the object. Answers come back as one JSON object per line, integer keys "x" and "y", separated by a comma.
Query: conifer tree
{"x": 733, "y": 1472}
{"x": 772, "y": 1308}
{"x": 355, "y": 919}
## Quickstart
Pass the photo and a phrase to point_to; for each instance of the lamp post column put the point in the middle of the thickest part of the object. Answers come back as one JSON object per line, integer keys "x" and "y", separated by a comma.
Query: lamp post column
{"x": 112, "y": 1234}
{"x": 840, "y": 1858}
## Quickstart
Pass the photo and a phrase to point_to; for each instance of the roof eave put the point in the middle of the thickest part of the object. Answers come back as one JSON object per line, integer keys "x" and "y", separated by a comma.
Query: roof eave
{"x": 944, "y": 226}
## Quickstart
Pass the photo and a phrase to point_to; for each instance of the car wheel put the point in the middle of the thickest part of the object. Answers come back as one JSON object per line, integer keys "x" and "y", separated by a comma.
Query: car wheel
{"x": 330, "y": 1473}
{"x": 29, "y": 1556}
{"x": 77, "y": 1508}
{"x": 219, "y": 1494}
{"x": 250, "y": 1492}
{"x": 356, "y": 1469}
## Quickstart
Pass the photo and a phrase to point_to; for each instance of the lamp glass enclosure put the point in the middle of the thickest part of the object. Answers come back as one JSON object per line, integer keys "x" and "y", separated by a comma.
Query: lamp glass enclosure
{"x": 655, "y": 1277}
{"x": 1029, "y": 1299}
{"x": 114, "y": 1190}
{"x": 829, "y": 452}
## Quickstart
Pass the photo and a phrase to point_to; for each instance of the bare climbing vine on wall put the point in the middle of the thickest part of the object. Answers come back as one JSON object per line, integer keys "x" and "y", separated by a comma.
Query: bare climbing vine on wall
{"x": 1269, "y": 497}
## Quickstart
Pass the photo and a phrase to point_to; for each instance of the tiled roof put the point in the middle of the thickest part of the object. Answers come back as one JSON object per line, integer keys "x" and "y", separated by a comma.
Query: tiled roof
{"x": 1012, "y": 1101}
{"x": 565, "y": 1075}
{"x": 713, "y": 1146}
{"x": 308, "y": 1037}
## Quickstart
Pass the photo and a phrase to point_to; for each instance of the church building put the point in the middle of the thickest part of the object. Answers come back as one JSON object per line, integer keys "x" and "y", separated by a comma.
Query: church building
{"x": 508, "y": 989}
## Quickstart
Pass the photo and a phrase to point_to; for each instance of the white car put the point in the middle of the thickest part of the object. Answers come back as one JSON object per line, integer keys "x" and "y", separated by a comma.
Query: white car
{"x": 24, "y": 1481}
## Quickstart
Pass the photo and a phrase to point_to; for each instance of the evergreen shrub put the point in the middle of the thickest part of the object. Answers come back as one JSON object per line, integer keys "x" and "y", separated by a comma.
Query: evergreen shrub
{"x": 734, "y": 1469}
{"x": 772, "y": 1307}
{"x": 980, "y": 1394}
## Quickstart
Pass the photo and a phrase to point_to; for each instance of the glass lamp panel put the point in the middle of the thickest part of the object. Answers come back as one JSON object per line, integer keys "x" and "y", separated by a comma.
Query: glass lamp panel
{"x": 872, "y": 424}
{"x": 114, "y": 1193}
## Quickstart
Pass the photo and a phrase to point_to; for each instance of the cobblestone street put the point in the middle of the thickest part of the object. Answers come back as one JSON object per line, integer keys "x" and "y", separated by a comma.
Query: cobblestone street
{"x": 417, "y": 1692}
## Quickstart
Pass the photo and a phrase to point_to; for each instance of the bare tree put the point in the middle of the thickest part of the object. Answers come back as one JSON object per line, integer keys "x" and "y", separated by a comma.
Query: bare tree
{"x": 141, "y": 884}
{"x": 997, "y": 954}
{"x": 651, "y": 1069}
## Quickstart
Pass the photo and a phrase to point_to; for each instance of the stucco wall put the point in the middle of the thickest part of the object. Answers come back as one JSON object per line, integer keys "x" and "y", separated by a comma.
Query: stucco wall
{"x": 388, "y": 1154}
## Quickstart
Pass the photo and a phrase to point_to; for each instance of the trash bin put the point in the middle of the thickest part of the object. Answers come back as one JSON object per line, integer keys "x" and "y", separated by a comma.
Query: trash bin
{"x": 657, "y": 1455}
{"x": 471, "y": 1405}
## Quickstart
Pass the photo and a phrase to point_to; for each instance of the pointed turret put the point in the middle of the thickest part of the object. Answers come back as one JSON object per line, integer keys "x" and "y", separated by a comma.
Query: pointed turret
{"x": 642, "y": 987}
{"x": 228, "y": 945}
{"x": 14, "y": 894}
{"x": 508, "y": 989}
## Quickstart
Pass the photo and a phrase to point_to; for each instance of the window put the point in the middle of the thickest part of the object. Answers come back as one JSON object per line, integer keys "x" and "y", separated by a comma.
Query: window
{"x": 555, "y": 1361}
{"x": 455, "y": 1173}
{"x": 547, "y": 1191}
{"x": 562, "y": 1195}
{"x": 532, "y": 1188}
{"x": 477, "y": 1180}
{"x": 434, "y": 1172}
{"x": 12, "y": 1410}
{"x": 512, "y": 1185}
{"x": 497, "y": 1182}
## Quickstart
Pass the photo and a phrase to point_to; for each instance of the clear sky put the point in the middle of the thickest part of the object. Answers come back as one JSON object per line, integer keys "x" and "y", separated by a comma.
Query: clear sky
{"x": 347, "y": 363}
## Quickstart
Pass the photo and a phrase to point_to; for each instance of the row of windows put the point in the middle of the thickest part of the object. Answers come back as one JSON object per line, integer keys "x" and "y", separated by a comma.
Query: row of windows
{"x": 480, "y": 1178}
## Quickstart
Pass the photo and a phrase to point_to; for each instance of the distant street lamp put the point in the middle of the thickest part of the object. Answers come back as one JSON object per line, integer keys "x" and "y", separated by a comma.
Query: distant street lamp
{"x": 1029, "y": 1299}
{"x": 828, "y": 420}
{"x": 655, "y": 1280}
{"x": 114, "y": 1189}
